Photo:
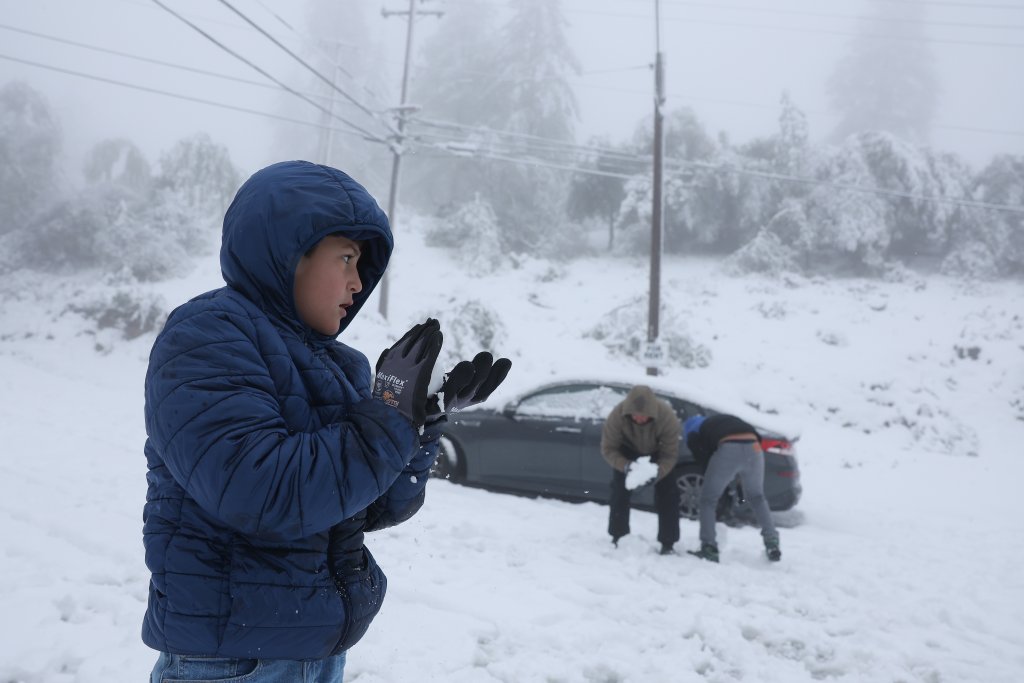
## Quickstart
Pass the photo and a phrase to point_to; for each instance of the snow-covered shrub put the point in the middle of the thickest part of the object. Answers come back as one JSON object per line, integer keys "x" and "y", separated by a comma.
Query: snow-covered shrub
{"x": 143, "y": 247}
{"x": 111, "y": 227}
{"x": 468, "y": 327}
{"x": 1002, "y": 231}
{"x": 130, "y": 312}
{"x": 973, "y": 260}
{"x": 66, "y": 237}
{"x": 473, "y": 235}
{"x": 624, "y": 331}
{"x": 764, "y": 254}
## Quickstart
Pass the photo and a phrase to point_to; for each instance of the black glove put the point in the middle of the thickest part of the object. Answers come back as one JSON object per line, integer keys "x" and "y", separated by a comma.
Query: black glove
{"x": 403, "y": 371}
{"x": 469, "y": 384}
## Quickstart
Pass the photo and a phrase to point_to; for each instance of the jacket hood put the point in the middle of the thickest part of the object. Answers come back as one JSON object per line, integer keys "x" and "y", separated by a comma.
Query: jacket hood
{"x": 641, "y": 401}
{"x": 278, "y": 214}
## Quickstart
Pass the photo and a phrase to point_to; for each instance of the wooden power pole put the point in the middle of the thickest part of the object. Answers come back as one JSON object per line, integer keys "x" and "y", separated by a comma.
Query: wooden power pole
{"x": 657, "y": 213}
{"x": 396, "y": 148}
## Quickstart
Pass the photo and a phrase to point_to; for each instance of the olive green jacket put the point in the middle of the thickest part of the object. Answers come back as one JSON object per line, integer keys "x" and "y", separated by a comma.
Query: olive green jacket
{"x": 623, "y": 440}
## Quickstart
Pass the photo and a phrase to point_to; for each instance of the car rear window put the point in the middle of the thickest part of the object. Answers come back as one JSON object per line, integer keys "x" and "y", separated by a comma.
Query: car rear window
{"x": 580, "y": 402}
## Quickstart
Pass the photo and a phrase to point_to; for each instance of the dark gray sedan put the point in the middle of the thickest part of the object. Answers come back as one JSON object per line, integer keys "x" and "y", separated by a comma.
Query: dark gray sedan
{"x": 548, "y": 442}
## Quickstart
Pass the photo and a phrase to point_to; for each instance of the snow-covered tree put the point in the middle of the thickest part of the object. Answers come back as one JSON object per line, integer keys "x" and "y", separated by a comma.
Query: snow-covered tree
{"x": 473, "y": 234}
{"x": 598, "y": 196}
{"x": 514, "y": 80}
{"x": 199, "y": 173}
{"x": 990, "y": 242}
{"x": 887, "y": 81}
{"x": 120, "y": 161}
{"x": 29, "y": 144}
{"x": 791, "y": 145}
{"x": 338, "y": 43}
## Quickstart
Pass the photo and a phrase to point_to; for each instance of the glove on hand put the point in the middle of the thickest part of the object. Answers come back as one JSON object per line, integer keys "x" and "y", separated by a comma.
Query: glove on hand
{"x": 468, "y": 384}
{"x": 403, "y": 371}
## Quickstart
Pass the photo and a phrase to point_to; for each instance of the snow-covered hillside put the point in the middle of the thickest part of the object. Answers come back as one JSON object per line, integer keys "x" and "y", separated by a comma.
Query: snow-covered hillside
{"x": 903, "y": 563}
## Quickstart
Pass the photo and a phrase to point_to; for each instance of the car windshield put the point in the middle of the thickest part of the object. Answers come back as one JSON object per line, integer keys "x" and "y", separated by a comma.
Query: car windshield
{"x": 576, "y": 402}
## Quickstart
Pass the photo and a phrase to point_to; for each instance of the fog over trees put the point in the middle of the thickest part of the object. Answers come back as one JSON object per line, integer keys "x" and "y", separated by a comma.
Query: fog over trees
{"x": 494, "y": 156}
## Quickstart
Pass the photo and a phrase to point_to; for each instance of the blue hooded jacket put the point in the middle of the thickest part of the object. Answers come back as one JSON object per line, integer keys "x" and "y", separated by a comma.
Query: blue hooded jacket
{"x": 267, "y": 457}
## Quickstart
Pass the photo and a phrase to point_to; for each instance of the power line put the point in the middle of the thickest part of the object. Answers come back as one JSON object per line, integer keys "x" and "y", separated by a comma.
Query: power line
{"x": 459, "y": 148}
{"x": 826, "y": 15}
{"x": 354, "y": 126}
{"x": 937, "y": 3}
{"x": 772, "y": 27}
{"x": 300, "y": 60}
{"x": 179, "y": 96}
{"x": 127, "y": 55}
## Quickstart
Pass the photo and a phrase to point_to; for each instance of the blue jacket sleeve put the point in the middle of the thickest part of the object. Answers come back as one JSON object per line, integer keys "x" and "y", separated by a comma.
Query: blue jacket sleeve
{"x": 213, "y": 416}
{"x": 405, "y": 497}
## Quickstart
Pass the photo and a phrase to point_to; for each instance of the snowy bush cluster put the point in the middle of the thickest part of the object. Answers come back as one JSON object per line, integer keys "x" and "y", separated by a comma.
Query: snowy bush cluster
{"x": 469, "y": 327}
{"x": 623, "y": 330}
{"x": 125, "y": 219}
{"x": 127, "y": 224}
{"x": 128, "y": 311}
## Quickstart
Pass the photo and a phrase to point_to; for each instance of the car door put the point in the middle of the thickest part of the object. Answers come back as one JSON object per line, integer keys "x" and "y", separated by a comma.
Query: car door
{"x": 537, "y": 448}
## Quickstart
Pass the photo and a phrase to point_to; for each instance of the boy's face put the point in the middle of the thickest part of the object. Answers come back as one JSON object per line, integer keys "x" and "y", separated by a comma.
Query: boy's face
{"x": 326, "y": 279}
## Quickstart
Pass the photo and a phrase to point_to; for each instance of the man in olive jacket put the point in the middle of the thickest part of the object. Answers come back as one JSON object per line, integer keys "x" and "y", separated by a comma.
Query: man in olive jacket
{"x": 643, "y": 425}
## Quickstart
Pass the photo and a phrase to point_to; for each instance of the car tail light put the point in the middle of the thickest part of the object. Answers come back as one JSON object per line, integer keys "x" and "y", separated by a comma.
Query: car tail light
{"x": 780, "y": 446}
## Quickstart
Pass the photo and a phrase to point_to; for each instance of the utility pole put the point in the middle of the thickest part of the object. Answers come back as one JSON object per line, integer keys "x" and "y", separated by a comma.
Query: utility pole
{"x": 657, "y": 217}
{"x": 396, "y": 147}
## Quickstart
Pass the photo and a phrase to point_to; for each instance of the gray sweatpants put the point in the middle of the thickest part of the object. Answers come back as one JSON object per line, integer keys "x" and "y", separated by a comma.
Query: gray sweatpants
{"x": 745, "y": 459}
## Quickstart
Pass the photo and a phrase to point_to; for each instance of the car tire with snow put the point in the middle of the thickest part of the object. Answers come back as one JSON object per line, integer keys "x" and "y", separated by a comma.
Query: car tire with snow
{"x": 449, "y": 464}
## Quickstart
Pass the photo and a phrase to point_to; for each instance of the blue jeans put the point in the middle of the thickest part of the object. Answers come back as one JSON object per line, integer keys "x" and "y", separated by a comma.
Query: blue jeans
{"x": 189, "y": 669}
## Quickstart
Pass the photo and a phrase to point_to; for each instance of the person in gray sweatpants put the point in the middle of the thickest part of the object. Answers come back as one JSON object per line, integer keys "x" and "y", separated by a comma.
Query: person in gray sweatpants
{"x": 725, "y": 446}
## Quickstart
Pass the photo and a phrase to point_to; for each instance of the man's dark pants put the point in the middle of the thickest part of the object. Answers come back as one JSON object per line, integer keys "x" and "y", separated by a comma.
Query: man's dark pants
{"x": 666, "y": 503}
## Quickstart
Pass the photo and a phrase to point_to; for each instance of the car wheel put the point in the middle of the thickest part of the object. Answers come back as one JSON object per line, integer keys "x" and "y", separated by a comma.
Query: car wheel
{"x": 689, "y": 481}
{"x": 448, "y": 464}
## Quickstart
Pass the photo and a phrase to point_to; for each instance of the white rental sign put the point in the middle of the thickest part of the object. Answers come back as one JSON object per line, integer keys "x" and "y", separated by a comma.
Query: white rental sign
{"x": 654, "y": 354}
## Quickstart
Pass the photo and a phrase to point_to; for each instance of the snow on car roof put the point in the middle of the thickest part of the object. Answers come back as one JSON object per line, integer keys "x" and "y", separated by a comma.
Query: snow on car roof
{"x": 723, "y": 399}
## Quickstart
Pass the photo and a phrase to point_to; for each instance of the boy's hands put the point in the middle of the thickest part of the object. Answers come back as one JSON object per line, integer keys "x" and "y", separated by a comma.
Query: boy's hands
{"x": 468, "y": 384}
{"x": 403, "y": 371}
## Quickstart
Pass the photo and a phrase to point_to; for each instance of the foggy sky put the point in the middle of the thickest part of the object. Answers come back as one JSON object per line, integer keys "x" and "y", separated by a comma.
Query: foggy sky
{"x": 727, "y": 61}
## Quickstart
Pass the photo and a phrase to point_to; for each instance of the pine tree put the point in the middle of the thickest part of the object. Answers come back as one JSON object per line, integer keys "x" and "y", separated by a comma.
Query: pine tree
{"x": 887, "y": 81}
{"x": 514, "y": 80}
{"x": 29, "y": 144}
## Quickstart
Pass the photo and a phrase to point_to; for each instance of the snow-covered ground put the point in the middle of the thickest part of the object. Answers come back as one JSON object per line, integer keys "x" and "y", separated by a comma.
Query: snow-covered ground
{"x": 904, "y": 564}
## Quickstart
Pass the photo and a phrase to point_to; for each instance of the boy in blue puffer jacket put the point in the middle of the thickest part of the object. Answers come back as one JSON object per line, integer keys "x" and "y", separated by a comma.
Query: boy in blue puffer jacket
{"x": 272, "y": 448}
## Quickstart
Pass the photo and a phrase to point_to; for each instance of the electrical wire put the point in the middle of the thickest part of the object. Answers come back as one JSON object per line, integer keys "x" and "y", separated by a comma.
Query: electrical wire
{"x": 359, "y": 105}
{"x": 770, "y": 27}
{"x": 309, "y": 40}
{"x": 140, "y": 58}
{"x": 453, "y": 147}
{"x": 350, "y": 124}
{"x": 848, "y": 17}
{"x": 179, "y": 96}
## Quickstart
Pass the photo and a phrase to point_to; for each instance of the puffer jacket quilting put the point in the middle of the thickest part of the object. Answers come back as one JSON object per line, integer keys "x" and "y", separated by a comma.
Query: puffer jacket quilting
{"x": 265, "y": 449}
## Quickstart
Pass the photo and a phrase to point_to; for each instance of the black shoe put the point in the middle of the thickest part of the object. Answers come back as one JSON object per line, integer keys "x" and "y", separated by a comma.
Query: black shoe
{"x": 771, "y": 549}
{"x": 615, "y": 541}
{"x": 708, "y": 551}
{"x": 666, "y": 549}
